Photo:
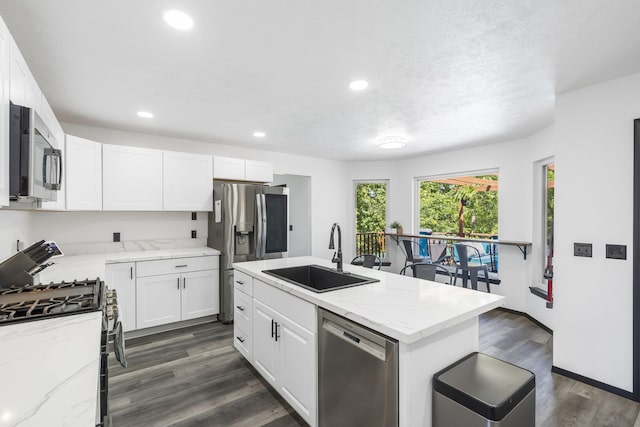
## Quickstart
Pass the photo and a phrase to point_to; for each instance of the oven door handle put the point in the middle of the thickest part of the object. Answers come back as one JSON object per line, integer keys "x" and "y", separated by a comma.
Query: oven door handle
{"x": 118, "y": 344}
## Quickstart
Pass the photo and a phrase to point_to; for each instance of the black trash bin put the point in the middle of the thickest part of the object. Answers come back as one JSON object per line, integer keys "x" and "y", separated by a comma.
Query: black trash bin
{"x": 480, "y": 390}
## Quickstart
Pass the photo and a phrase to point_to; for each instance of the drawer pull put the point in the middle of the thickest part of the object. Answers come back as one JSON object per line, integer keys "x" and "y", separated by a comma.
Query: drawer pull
{"x": 239, "y": 282}
{"x": 182, "y": 265}
{"x": 240, "y": 339}
{"x": 239, "y": 307}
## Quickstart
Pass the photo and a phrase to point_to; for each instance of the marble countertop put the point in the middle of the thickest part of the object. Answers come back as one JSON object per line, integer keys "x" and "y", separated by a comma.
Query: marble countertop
{"x": 90, "y": 265}
{"x": 401, "y": 307}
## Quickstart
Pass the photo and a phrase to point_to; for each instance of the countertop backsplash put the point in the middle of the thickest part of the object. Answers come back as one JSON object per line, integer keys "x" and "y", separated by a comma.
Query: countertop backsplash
{"x": 72, "y": 249}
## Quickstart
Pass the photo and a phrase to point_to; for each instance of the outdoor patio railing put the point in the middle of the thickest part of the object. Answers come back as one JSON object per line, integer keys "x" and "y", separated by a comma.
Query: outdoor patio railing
{"x": 371, "y": 243}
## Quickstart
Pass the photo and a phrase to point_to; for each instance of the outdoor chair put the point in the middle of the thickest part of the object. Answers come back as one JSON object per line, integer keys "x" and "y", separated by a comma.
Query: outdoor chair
{"x": 427, "y": 271}
{"x": 411, "y": 258}
{"x": 368, "y": 261}
{"x": 468, "y": 270}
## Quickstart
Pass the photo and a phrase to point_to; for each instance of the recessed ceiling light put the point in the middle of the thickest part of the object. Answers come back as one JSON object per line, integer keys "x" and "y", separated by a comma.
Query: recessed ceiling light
{"x": 259, "y": 134}
{"x": 145, "y": 114}
{"x": 178, "y": 20}
{"x": 392, "y": 142}
{"x": 358, "y": 85}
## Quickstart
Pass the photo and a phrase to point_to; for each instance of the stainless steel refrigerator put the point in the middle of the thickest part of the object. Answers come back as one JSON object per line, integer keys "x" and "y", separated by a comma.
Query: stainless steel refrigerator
{"x": 249, "y": 222}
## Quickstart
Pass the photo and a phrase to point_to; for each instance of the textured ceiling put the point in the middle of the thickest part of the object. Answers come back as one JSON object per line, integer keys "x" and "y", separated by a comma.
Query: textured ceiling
{"x": 444, "y": 73}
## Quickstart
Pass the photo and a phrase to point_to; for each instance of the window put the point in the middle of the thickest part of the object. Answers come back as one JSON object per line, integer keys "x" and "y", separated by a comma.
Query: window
{"x": 371, "y": 217}
{"x": 466, "y": 206}
{"x": 549, "y": 171}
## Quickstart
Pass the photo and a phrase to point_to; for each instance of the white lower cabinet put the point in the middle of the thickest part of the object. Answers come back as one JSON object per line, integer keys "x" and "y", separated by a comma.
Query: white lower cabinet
{"x": 199, "y": 294}
{"x": 158, "y": 300}
{"x": 122, "y": 278}
{"x": 281, "y": 343}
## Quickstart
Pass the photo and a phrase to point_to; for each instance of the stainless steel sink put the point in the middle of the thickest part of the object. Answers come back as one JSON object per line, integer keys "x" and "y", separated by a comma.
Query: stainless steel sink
{"x": 317, "y": 278}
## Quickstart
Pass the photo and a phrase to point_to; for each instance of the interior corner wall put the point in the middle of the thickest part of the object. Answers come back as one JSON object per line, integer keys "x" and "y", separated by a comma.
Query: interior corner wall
{"x": 594, "y": 204}
{"x": 14, "y": 225}
{"x": 328, "y": 177}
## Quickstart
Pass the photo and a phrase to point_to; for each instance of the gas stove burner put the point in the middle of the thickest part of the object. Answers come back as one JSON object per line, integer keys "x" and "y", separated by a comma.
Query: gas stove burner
{"x": 53, "y": 299}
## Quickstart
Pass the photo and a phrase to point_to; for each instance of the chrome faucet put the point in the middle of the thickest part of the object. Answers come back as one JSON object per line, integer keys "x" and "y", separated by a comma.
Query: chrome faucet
{"x": 337, "y": 259}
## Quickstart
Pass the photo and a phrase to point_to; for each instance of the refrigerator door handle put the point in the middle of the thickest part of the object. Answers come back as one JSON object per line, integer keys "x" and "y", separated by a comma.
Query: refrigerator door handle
{"x": 259, "y": 226}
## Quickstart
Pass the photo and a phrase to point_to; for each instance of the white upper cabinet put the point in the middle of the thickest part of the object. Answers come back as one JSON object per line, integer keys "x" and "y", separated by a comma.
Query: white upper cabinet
{"x": 228, "y": 168}
{"x": 242, "y": 170}
{"x": 5, "y": 84}
{"x": 187, "y": 182}
{"x": 258, "y": 171}
{"x": 83, "y": 172}
{"x": 132, "y": 178}
{"x": 24, "y": 89}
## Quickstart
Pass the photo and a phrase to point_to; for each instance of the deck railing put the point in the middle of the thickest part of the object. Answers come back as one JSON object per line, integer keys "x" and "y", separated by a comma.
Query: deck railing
{"x": 371, "y": 243}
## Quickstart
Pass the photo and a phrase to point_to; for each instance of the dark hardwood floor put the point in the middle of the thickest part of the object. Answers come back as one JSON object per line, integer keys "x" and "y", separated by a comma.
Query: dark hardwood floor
{"x": 194, "y": 377}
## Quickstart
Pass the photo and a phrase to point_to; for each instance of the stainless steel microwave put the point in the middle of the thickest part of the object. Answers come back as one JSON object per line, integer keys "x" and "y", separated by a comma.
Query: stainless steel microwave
{"x": 35, "y": 166}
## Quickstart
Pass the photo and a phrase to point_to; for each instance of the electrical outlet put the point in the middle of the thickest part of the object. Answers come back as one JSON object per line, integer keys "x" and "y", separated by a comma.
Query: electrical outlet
{"x": 616, "y": 251}
{"x": 116, "y": 237}
{"x": 193, "y": 234}
{"x": 194, "y": 216}
{"x": 582, "y": 249}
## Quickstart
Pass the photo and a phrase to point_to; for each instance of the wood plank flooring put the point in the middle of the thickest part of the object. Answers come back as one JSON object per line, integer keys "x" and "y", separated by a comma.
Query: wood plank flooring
{"x": 194, "y": 377}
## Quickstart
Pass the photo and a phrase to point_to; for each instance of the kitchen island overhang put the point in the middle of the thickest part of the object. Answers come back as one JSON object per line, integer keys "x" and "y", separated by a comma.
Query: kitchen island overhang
{"x": 435, "y": 324}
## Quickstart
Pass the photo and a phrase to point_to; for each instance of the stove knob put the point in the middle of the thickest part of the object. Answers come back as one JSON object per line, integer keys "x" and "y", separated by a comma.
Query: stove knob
{"x": 111, "y": 293}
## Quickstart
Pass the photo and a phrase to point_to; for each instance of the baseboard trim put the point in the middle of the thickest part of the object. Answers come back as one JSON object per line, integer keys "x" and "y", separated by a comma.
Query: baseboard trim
{"x": 594, "y": 383}
{"x": 520, "y": 313}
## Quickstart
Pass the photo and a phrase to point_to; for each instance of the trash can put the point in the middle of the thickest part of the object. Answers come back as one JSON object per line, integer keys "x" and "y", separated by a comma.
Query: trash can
{"x": 480, "y": 390}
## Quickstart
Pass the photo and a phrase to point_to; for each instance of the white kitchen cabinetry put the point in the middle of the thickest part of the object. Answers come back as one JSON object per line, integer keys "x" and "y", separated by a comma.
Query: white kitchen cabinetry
{"x": 24, "y": 89}
{"x": 284, "y": 346}
{"x": 187, "y": 182}
{"x": 176, "y": 289}
{"x": 258, "y": 171}
{"x": 242, "y": 170}
{"x": 5, "y": 85}
{"x": 83, "y": 172}
{"x": 132, "y": 178}
{"x": 122, "y": 278}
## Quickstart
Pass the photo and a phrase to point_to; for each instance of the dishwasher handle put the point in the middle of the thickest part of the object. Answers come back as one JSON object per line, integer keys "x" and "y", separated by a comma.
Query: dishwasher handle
{"x": 355, "y": 339}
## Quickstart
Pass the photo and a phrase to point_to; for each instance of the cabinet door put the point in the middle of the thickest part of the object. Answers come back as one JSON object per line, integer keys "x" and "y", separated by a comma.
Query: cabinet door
{"x": 258, "y": 171}
{"x": 157, "y": 300}
{"x": 228, "y": 168}
{"x": 121, "y": 277}
{"x": 200, "y": 294}
{"x": 132, "y": 178}
{"x": 297, "y": 374}
{"x": 5, "y": 84}
{"x": 83, "y": 167}
{"x": 187, "y": 182}
{"x": 265, "y": 350}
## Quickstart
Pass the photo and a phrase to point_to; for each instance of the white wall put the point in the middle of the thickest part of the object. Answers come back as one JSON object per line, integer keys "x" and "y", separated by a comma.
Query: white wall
{"x": 14, "y": 225}
{"x": 594, "y": 204}
{"x": 299, "y": 212}
{"x": 85, "y": 227}
{"x": 328, "y": 177}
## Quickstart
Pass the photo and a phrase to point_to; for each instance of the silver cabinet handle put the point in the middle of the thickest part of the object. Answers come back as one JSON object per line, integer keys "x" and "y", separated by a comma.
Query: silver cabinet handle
{"x": 182, "y": 265}
{"x": 239, "y": 307}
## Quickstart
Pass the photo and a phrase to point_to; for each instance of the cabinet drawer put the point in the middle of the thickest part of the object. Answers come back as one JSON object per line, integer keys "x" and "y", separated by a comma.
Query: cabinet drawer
{"x": 242, "y": 342}
{"x": 242, "y": 307}
{"x": 290, "y": 306}
{"x": 243, "y": 282}
{"x": 176, "y": 265}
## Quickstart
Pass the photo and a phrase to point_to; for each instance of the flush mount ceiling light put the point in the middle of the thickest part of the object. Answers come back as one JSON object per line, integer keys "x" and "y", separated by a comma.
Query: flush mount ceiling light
{"x": 145, "y": 114}
{"x": 178, "y": 20}
{"x": 358, "y": 85}
{"x": 392, "y": 142}
{"x": 259, "y": 134}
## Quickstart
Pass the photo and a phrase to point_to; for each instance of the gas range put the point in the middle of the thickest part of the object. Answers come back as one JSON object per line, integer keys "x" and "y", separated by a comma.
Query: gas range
{"x": 55, "y": 299}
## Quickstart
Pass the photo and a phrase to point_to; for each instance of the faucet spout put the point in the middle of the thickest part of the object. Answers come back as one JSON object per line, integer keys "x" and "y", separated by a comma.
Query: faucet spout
{"x": 337, "y": 256}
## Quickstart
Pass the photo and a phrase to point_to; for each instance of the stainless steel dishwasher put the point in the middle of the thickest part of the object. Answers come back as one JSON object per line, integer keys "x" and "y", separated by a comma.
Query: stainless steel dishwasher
{"x": 357, "y": 375}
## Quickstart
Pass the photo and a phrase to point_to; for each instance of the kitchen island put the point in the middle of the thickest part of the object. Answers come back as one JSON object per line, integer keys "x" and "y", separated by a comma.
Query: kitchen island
{"x": 434, "y": 324}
